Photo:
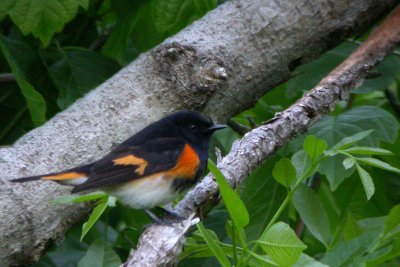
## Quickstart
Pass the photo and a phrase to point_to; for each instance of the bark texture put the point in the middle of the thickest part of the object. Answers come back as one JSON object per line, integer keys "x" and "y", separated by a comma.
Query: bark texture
{"x": 220, "y": 65}
{"x": 262, "y": 142}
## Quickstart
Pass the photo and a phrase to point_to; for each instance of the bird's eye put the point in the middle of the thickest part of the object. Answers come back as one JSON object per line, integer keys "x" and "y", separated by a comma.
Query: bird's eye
{"x": 194, "y": 127}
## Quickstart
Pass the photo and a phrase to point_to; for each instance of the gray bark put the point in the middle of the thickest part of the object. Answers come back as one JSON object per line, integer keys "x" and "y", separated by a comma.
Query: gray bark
{"x": 162, "y": 245}
{"x": 220, "y": 65}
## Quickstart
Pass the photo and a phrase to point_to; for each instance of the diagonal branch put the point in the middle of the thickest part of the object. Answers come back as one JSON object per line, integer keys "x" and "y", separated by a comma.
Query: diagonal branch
{"x": 262, "y": 142}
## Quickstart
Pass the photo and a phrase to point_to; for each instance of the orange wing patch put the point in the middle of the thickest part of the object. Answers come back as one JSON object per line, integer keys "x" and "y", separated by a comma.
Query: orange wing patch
{"x": 132, "y": 160}
{"x": 64, "y": 176}
{"x": 187, "y": 164}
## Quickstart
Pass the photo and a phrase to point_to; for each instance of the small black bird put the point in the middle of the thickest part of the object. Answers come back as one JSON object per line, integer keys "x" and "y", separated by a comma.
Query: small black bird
{"x": 150, "y": 168}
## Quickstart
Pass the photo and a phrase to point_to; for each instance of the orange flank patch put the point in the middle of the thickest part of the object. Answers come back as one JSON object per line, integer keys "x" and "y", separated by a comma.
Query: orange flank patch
{"x": 187, "y": 164}
{"x": 132, "y": 160}
{"x": 64, "y": 176}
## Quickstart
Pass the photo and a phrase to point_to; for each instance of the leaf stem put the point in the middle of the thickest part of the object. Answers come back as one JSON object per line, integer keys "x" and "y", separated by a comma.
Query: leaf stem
{"x": 234, "y": 246}
{"x": 284, "y": 204}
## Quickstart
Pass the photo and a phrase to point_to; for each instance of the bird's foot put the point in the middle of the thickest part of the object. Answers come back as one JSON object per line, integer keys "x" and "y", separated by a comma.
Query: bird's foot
{"x": 170, "y": 215}
{"x": 167, "y": 219}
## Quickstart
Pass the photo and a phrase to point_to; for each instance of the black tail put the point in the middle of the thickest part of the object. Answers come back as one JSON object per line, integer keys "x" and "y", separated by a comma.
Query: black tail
{"x": 61, "y": 177}
{"x": 27, "y": 179}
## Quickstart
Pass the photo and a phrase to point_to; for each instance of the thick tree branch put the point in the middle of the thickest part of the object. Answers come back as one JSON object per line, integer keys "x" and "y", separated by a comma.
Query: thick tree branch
{"x": 220, "y": 65}
{"x": 262, "y": 142}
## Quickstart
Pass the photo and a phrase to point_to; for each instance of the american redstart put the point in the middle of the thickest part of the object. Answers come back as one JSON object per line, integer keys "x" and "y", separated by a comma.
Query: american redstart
{"x": 152, "y": 167}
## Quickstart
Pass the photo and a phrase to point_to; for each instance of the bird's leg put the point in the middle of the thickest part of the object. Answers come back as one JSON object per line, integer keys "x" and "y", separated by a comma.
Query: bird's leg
{"x": 154, "y": 217}
{"x": 169, "y": 213}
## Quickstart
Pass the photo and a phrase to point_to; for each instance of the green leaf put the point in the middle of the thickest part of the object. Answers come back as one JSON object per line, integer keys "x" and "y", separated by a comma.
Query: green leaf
{"x": 348, "y": 163}
{"x": 96, "y": 213}
{"x": 262, "y": 196}
{"x": 198, "y": 249}
{"x": 351, "y": 228}
{"x": 65, "y": 199}
{"x": 203, "y": 6}
{"x": 100, "y": 254}
{"x": 261, "y": 261}
{"x": 127, "y": 17}
{"x": 217, "y": 220}
{"x": 350, "y": 196}
{"x": 393, "y": 219}
{"x": 282, "y": 244}
{"x": 144, "y": 34}
{"x": 334, "y": 170}
{"x": 302, "y": 164}
{"x": 284, "y": 172}
{"x": 193, "y": 249}
{"x": 44, "y": 18}
{"x": 367, "y": 182}
{"x": 158, "y": 19}
{"x": 75, "y": 71}
{"x": 5, "y": 6}
{"x": 345, "y": 253}
{"x": 312, "y": 212}
{"x": 314, "y": 147}
{"x": 171, "y": 16}
{"x": 379, "y": 164}
{"x": 35, "y": 101}
{"x": 168, "y": 15}
{"x": 363, "y": 118}
{"x": 382, "y": 256}
{"x": 364, "y": 150}
{"x": 334, "y": 128}
{"x": 308, "y": 261}
{"x": 233, "y": 203}
{"x": 214, "y": 246}
{"x": 348, "y": 141}
{"x": 233, "y": 233}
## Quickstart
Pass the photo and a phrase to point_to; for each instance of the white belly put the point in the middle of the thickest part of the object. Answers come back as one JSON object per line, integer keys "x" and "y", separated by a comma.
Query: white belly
{"x": 145, "y": 193}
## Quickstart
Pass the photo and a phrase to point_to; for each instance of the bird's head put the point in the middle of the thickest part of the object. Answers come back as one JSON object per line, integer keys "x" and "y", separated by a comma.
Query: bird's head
{"x": 193, "y": 126}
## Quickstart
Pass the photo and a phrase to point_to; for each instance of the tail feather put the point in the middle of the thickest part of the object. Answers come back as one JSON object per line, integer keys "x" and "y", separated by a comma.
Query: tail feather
{"x": 73, "y": 176}
{"x": 26, "y": 179}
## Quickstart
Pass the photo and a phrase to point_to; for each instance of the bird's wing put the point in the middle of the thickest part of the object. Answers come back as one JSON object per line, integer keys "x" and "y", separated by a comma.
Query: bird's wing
{"x": 170, "y": 155}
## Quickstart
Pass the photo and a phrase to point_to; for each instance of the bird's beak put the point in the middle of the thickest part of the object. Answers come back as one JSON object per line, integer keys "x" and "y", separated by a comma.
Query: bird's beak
{"x": 215, "y": 127}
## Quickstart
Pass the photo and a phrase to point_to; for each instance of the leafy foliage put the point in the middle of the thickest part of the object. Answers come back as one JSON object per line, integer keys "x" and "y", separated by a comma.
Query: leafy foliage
{"x": 284, "y": 172}
{"x": 79, "y": 45}
{"x": 34, "y": 99}
{"x": 279, "y": 244}
{"x": 328, "y": 198}
{"x": 236, "y": 208}
{"x": 311, "y": 210}
{"x": 282, "y": 244}
{"x": 100, "y": 254}
{"x": 42, "y": 18}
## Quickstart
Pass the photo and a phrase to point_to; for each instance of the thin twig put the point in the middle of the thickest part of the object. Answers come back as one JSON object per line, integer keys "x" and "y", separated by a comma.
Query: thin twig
{"x": 237, "y": 127}
{"x": 395, "y": 52}
{"x": 100, "y": 41}
{"x": 7, "y": 77}
{"x": 252, "y": 123}
{"x": 393, "y": 101}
